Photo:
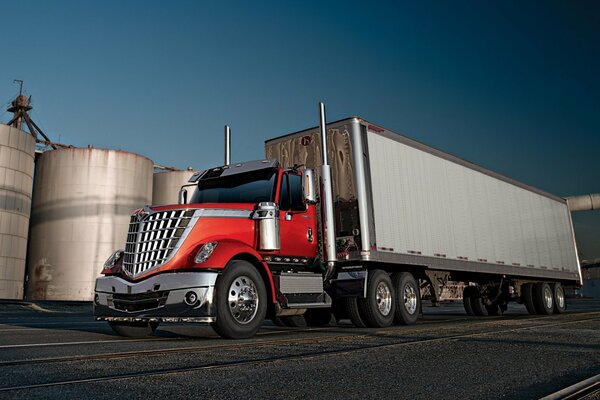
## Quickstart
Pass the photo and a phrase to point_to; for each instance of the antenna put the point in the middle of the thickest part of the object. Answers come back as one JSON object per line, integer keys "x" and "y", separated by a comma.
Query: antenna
{"x": 20, "y": 82}
{"x": 20, "y": 108}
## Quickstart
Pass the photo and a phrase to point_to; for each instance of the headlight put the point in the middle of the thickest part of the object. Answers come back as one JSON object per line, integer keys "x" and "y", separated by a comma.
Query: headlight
{"x": 204, "y": 252}
{"x": 113, "y": 259}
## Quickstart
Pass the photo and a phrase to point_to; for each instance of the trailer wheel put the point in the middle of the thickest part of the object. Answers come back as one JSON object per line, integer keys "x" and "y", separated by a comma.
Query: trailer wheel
{"x": 527, "y": 298}
{"x": 241, "y": 301}
{"x": 468, "y": 293}
{"x": 560, "y": 303}
{"x": 319, "y": 317}
{"x": 408, "y": 298}
{"x": 543, "y": 298}
{"x": 133, "y": 329}
{"x": 351, "y": 306}
{"x": 378, "y": 308}
{"x": 478, "y": 306}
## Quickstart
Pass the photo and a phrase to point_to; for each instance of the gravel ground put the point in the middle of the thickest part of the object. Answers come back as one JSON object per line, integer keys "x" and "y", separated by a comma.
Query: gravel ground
{"x": 446, "y": 355}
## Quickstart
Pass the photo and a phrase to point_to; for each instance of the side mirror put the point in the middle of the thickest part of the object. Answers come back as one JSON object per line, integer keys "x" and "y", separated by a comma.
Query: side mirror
{"x": 309, "y": 188}
{"x": 182, "y": 196}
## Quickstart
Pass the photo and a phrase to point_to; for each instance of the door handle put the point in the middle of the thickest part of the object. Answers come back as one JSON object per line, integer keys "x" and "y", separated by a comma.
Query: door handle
{"x": 309, "y": 235}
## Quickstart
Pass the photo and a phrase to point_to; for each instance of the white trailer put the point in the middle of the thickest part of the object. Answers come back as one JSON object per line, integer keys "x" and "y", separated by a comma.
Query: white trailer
{"x": 402, "y": 206}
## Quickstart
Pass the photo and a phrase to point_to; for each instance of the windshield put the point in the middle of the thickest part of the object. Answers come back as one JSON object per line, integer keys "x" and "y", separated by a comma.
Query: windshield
{"x": 249, "y": 187}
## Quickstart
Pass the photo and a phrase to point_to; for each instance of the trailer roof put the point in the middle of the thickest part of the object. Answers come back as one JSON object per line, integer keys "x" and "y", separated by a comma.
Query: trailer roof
{"x": 378, "y": 129}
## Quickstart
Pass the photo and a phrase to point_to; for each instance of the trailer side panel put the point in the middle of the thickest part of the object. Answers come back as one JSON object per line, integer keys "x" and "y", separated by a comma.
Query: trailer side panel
{"x": 429, "y": 206}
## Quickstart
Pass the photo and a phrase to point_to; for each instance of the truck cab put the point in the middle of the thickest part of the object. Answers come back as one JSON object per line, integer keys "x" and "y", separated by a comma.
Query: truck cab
{"x": 243, "y": 248}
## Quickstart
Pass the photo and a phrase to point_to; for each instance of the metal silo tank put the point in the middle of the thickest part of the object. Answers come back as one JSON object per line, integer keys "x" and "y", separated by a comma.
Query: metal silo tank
{"x": 17, "y": 150}
{"x": 83, "y": 199}
{"x": 165, "y": 189}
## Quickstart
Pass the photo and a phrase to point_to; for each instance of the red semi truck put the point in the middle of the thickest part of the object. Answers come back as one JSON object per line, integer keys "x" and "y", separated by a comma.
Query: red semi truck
{"x": 348, "y": 220}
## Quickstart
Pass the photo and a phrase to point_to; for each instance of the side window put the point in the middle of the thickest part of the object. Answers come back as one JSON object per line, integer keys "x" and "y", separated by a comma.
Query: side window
{"x": 284, "y": 196}
{"x": 297, "y": 199}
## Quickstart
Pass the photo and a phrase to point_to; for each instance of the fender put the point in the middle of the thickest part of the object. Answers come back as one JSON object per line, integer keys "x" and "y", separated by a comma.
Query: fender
{"x": 227, "y": 250}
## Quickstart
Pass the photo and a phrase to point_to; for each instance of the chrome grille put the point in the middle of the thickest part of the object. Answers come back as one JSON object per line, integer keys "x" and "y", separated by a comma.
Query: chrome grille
{"x": 152, "y": 239}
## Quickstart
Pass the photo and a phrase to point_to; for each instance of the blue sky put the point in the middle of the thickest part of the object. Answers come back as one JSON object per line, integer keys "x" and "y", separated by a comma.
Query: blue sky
{"x": 510, "y": 85}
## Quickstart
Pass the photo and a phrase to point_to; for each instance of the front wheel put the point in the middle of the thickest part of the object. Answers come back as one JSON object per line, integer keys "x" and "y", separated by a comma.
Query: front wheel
{"x": 241, "y": 301}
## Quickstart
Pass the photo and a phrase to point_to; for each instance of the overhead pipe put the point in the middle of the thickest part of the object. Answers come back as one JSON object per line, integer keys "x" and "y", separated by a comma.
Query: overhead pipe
{"x": 227, "y": 145}
{"x": 584, "y": 203}
{"x": 327, "y": 198}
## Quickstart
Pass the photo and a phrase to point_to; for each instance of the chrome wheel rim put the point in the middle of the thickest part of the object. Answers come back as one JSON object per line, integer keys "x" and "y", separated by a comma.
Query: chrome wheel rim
{"x": 560, "y": 298}
{"x": 548, "y": 297}
{"x": 409, "y": 297}
{"x": 243, "y": 299}
{"x": 383, "y": 296}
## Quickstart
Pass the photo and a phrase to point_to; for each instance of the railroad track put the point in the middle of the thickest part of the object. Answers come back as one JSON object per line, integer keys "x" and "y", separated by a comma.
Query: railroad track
{"x": 353, "y": 343}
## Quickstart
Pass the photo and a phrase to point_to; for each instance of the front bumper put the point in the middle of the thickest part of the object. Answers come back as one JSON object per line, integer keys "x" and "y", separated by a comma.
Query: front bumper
{"x": 164, "y": 297}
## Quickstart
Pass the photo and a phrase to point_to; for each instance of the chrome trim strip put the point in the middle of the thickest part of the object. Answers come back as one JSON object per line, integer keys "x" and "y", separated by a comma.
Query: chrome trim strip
{"x": 361, "y": 188}
{"x": 224, "y": 213}
{"x": 171, "y": 281}
{"x": 446, "y": 264}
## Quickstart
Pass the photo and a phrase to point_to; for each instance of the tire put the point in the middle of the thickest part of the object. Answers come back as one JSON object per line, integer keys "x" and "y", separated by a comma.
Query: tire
{"x": 133, "y": 329}
{"x": 407, "y": 298}
{"x": 351, "y": 306}
{"x": 478, "y": 306}
{"x": 468, "y": 293}
{"x": 494, "y": 309}
{"x": 319, "y": 317}
{"x": 543, "y": 298}
{"x": 560, "y": 302}
{"x": 241, "y": 301}
{"x": 527, "y": 298}
{"x": 378, "y": 308}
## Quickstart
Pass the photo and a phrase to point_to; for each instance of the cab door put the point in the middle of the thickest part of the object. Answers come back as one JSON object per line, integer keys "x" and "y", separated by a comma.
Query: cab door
{"x": 297, "y": 221}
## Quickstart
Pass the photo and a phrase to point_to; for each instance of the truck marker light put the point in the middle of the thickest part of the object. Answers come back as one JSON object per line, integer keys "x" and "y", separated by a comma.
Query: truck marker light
{"x": 205, "y": 251}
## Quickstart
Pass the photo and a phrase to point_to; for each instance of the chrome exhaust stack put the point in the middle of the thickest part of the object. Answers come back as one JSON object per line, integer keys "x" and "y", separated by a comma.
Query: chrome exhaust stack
{"x": 227, "y": 155}
{"x": 327, "y": 199}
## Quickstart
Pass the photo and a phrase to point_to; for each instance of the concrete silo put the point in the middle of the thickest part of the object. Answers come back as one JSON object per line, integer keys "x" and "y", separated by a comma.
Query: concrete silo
{"x": 82, "y": 203}
{"x": 17, "y": 150}
{"x": 165, "y": 189}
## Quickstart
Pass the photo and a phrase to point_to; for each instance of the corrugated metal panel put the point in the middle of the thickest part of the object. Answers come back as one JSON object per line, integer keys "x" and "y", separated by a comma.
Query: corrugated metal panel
{"x": 83, "y": 199}
{"x": 16, "y": 179}
{"x": 166, "y": 185}
{"x": 430, "y": 206}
